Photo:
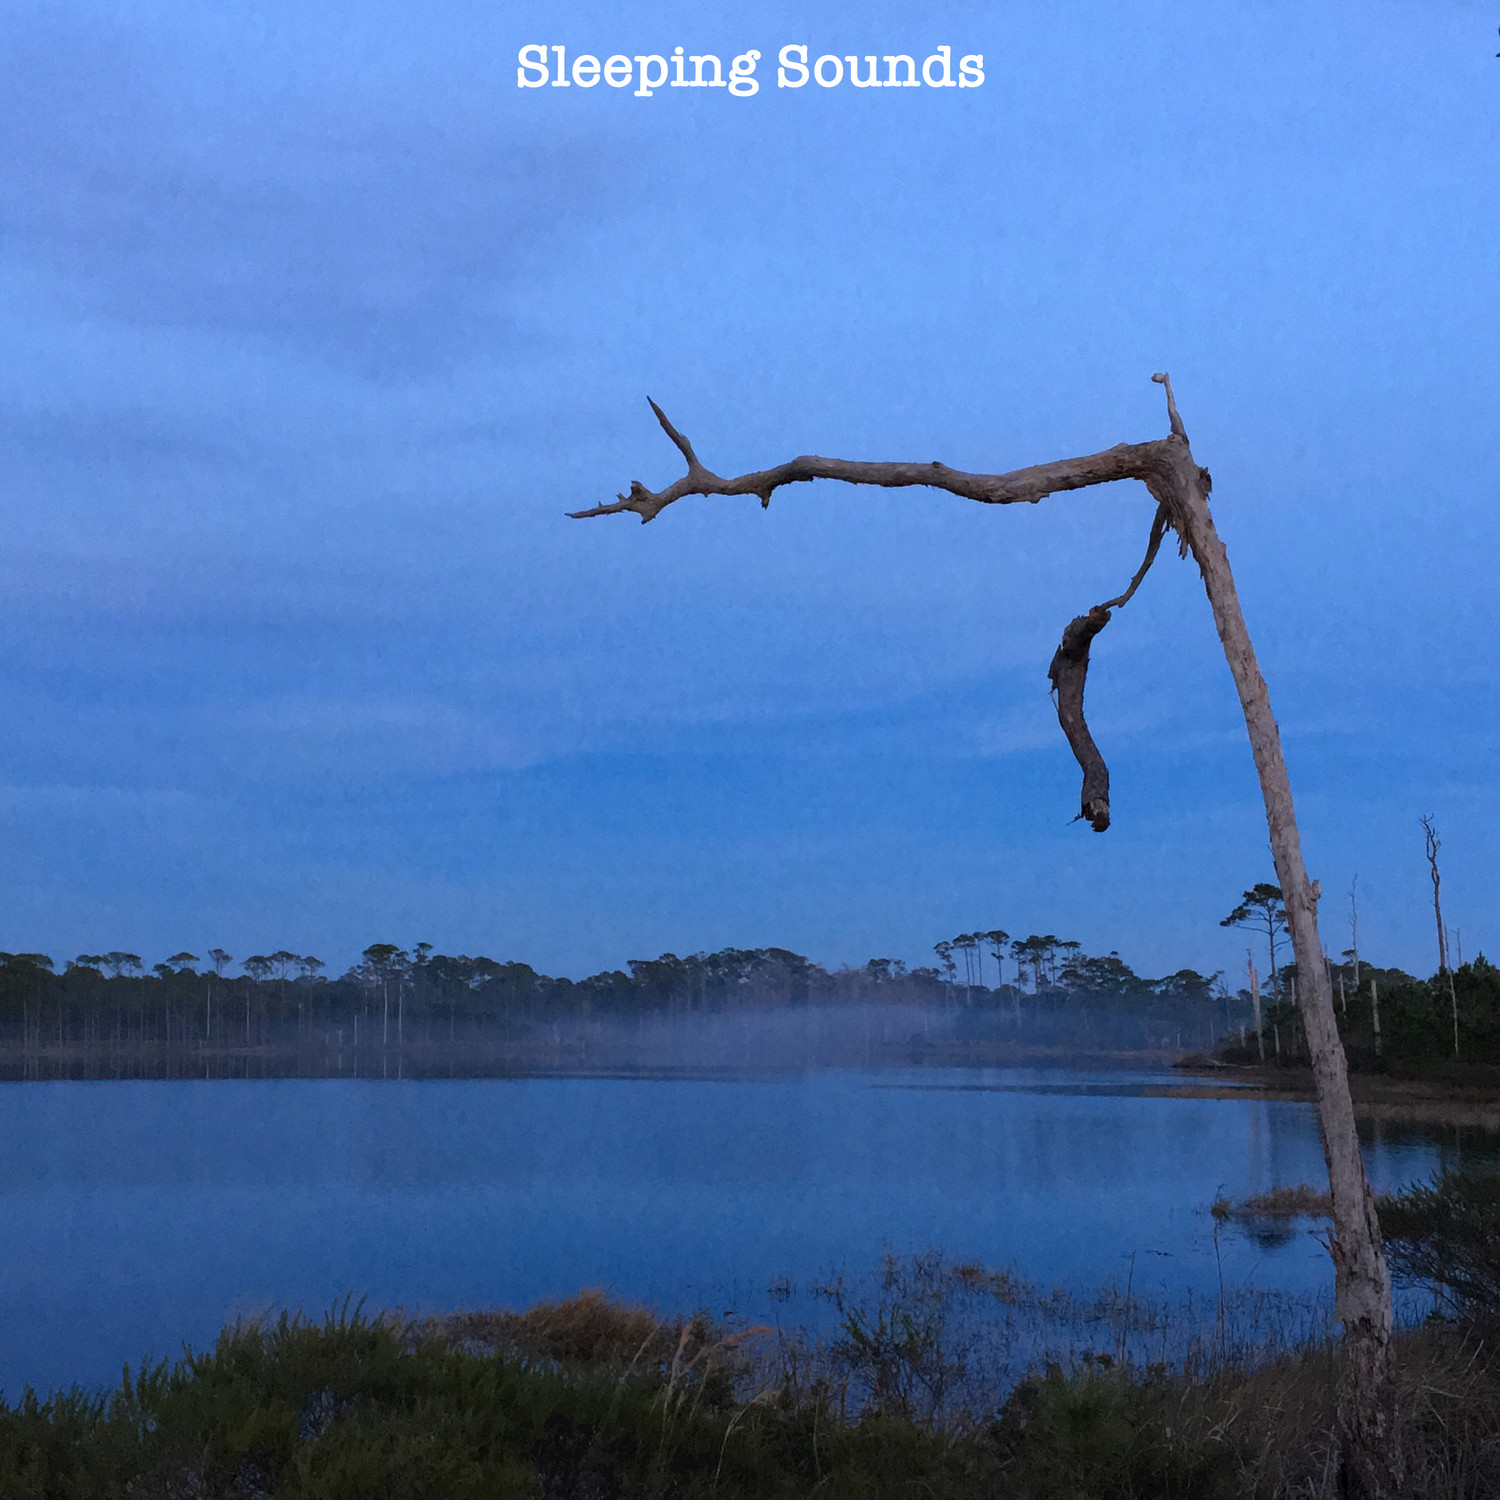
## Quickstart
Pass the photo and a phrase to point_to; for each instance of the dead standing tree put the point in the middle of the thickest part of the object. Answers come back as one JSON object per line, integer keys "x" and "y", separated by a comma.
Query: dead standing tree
{"x": 1434, "y": 843}
{"x": 1167, "y": 468}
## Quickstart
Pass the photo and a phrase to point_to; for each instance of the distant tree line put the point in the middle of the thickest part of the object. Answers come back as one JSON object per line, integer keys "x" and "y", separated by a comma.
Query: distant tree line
{"x": 185, "y": 991}
{"x": 112, "y": 1001}
{"x": 1387, "y": 1017}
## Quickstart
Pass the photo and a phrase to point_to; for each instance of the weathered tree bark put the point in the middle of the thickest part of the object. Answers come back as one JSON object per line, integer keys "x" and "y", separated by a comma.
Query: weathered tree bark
{"x": 1180, "y": 487}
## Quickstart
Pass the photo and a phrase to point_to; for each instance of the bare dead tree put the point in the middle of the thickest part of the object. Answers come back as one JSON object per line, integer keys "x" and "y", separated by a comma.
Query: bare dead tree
{"x": 1254, "y": 978}
{"x": 1354, "y": 928}
{"x": 1434, "y": 843}
{"x": 1180, "y": 488}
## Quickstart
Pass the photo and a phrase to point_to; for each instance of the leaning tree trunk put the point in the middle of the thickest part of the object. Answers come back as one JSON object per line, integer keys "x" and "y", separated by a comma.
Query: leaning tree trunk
{"x": 1166, "y": 466}
{"x": 1363, "y": 1283}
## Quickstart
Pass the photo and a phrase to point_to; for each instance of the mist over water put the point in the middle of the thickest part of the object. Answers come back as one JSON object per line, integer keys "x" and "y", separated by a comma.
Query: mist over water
{"x": 391, "y": 1041}
{"x": 873, "y": 1035}
{"x": 744, "y": 1041}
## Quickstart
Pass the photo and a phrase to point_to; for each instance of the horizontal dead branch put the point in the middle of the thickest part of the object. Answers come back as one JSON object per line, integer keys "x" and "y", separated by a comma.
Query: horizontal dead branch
{"x": 1149, "y": 462}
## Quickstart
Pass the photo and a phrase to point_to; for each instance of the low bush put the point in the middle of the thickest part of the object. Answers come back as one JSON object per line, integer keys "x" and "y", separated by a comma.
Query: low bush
{"x": 1446, "y": 1235}
{"x": 590, "y": 1400}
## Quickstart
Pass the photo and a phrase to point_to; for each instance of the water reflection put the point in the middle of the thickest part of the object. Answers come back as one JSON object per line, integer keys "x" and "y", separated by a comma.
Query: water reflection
{"x": 134, "y": 1216}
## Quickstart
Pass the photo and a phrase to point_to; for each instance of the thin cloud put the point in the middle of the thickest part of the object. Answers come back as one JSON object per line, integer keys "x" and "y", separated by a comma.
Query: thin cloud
{"x": 382, "y": 241}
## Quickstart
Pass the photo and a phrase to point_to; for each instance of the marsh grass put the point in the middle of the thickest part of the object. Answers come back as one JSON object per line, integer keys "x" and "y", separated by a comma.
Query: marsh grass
{"x": 945, "y": 1342}
{"x": 1287, "y": 1202}
{"x": 933, "y": 1386}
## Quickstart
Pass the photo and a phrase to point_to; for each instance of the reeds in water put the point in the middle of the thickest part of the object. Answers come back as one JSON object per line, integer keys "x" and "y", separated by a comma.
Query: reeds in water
{"x": 943, "y": 1380}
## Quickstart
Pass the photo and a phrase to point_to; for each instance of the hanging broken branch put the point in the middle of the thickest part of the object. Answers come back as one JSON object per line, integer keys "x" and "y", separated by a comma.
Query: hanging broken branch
{"x": 1070, "y": 666}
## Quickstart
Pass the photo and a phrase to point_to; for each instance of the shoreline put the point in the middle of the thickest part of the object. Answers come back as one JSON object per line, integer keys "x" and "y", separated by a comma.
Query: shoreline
{"x": 1469, "y": 1099}
{"x": 1377, "y": 1096}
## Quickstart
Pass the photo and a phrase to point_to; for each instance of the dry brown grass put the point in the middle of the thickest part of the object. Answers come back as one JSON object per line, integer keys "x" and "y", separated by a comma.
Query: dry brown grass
{"x": 589, "y": 1331}
{"x": 1287, "y": 1202}
{"x": 592, "y": 1332}
{"x": 1447, "y": 1417}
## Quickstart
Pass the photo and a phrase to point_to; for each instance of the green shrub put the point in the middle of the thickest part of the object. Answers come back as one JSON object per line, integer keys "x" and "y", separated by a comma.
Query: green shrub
{"x": 1446, "y": 1235}
{"x": 1110, "y": 1434}
{"x": 591, "y": 1400}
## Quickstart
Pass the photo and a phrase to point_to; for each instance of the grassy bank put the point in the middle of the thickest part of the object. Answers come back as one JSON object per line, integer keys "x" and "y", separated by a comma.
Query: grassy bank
{"x": 1447, "y": 1094}
{"x": 942, "y": 1380}
{"x": 590, "y": 1400}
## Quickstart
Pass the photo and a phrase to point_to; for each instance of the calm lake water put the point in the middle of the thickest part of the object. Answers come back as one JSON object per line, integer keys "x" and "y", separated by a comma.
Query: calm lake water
{"x": 135, "y": 1217}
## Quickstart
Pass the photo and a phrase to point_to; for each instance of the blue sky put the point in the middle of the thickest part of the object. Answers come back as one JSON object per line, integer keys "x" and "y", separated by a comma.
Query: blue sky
{"x": 316, "y": 324}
